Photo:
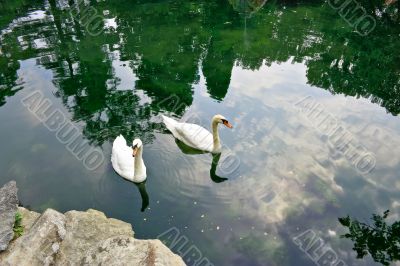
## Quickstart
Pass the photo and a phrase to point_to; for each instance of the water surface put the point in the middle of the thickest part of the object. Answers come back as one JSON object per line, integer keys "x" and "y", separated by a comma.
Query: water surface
{"x": 251, "y": 62}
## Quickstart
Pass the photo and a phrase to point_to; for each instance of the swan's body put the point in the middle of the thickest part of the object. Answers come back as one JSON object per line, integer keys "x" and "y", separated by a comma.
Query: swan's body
{"x": 127, "y": 161}
{"x": 196, "y": 136}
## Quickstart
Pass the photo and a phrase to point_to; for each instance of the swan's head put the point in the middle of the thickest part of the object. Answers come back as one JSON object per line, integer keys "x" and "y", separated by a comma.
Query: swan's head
{"x": 136, "y": 145}
{"x": 222, "y": 120}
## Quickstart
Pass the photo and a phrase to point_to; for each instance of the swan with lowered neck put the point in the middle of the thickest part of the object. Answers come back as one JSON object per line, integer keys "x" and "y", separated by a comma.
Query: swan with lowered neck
{"x": 196, "y": 136}
{"x": 127, "y": 161}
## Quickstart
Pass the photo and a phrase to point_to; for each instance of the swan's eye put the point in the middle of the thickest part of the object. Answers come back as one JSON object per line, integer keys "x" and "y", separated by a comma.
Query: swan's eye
{"x": 224, "y": 121}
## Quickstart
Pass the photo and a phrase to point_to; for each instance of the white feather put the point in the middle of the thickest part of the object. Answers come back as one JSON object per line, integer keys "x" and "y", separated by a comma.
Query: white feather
{"x": 124, "y": 163}
{"x": 193, "y": 135}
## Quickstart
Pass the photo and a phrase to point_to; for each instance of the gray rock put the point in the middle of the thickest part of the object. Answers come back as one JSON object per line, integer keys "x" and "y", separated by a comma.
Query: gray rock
{"x": 125, "y": 250}
{"x": 82, "y": 238}
{"x": 8, "y": 208}
{"x": 40, "y": 244}
{"x": 85, "y": 230}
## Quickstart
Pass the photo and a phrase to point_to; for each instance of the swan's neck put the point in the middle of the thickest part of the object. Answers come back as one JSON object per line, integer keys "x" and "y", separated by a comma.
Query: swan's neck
{"x": 139, "y": 162}
{"x": 216, "y": 141}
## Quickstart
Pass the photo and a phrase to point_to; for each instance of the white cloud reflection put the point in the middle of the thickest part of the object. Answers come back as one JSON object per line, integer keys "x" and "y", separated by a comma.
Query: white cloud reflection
{"x": 288, "y": 168}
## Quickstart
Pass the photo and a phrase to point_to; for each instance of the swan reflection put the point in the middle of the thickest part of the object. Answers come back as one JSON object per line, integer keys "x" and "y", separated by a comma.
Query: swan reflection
{"x": 214, "y": 163}
{"x": 213, "y": 175}
{"x": 143, "y": 195}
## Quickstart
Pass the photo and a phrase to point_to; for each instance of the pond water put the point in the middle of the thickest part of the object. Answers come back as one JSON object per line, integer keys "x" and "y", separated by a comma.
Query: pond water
{"x": 265, "y": 66}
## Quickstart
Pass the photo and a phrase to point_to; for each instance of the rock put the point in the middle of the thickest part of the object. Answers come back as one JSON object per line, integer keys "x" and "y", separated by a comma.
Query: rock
{"x": 28, "y": 218}
{"x": 8, "y": 209}
{"x": 125, "y": 250}
{"x": 82, "y": 238}
{"x": 40, "y": 244}
{"x": 84, "y": 231}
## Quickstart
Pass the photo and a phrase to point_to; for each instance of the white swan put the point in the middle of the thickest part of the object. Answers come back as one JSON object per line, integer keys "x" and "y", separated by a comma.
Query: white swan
{"x": 196, "y": 136}
{"x": 127, "y": 161}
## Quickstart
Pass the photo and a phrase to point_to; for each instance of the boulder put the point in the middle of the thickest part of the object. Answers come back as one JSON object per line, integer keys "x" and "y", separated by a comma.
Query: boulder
{"x": 40, "y": 244}
{"x": 85, "y": 230}
{"x": 125, "y": 250}
{"x": 82, "y": 238}
{"x": 8, "y": 209}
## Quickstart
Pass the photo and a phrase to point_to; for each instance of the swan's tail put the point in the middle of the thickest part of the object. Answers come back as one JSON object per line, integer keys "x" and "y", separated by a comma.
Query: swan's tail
{"x": 119, "y": 142}
{"x": 169, "y": 123}
{"x": 118, "y": 145}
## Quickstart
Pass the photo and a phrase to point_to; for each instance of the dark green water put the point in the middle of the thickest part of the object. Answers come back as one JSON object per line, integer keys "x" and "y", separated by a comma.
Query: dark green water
{"x": 193, "y": 59}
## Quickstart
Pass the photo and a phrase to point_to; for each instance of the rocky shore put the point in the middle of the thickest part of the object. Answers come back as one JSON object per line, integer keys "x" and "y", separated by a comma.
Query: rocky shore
{"x": 73, "y": 238}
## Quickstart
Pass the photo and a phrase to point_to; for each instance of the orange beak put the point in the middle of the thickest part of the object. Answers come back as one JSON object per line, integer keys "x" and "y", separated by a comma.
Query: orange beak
{"x": 227, "y": 124}
{"x": 134, "y": 151}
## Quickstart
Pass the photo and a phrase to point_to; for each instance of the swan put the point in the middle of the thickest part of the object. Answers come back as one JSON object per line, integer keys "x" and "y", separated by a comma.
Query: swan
{"x": 196, "y": 136}
{"x": 127, "y": 161}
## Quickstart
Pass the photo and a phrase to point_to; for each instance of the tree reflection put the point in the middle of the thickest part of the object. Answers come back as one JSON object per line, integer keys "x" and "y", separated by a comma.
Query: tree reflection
{"x": 247, "y": 7}
{"x": 8, "y": 84}
{"x": 380, "y": 240}
{"x": 217, "y": 68}
{"x": 115, "y": 83}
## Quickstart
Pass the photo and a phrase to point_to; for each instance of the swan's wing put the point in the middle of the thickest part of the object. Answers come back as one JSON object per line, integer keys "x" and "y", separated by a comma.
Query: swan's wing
{"x": 121, "y": 158}
{"x": 191, "y": 134}
{"x": 195, "y": 136}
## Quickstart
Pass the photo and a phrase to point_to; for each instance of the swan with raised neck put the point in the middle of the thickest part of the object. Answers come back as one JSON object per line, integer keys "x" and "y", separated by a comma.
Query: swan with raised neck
{"x": 218, "y": 119}
{"x": 197, "y": 136}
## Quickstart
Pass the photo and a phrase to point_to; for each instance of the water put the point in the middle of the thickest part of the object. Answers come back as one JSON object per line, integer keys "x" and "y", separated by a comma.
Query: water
{"x": 251, "y": 62}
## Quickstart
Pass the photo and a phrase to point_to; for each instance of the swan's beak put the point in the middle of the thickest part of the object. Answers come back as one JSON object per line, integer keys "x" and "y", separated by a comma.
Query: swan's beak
{"x": 134, "y": 150}
{"x": 227, "y": 124}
